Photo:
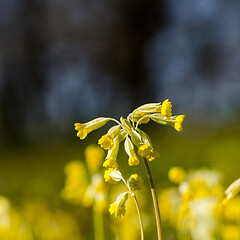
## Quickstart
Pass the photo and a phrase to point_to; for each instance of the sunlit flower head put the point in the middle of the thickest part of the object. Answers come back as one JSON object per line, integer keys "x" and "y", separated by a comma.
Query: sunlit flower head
{"x": 133, "y": 161}
{"x": 166, "y": 108}
{"x": 118, "y": 207}
{"x": 178, "y": 123}
{"x": 81, "y": 130}
{"x": 111, "y": 163}
{"x": 106, "y": 142}
{"x": 84, "y": 128}
{"x": 145, "y": 151}
{"x": 107, "y": 177}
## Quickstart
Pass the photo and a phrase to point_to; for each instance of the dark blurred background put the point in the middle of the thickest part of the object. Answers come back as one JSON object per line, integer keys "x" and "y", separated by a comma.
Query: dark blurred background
{"x": 63, "y": 62}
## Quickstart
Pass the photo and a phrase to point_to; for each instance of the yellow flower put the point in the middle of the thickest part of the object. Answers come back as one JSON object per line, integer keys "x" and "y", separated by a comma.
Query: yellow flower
{"x": 82, "y": 131}
{"x": 230, "y": 232}
{"x": 107, "y": 177}
{"x": 166, "y": 108}
{"x": 135, "y": 182}
{"x": 133, "y": 161}
{"x": 118, "y": 207}
{"x": 176, "y": 175}
{"x": 153, "y": 156}
{"x": 106, "y": 142}
{"x": 178, "y": 122}
{"x": 94, "y": 156}
{"x": 111, "y": 163}
{"x": 119, "y": 211}
{"x": 85, "y": 128}
{"x": 147, "y": 152}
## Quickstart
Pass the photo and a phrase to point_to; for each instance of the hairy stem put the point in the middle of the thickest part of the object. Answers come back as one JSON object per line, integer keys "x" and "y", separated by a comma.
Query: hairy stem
{"x": 154, "y": 198}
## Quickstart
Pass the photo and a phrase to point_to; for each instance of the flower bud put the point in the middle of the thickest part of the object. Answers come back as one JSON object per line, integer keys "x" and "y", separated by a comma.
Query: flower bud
{"x": 135, "y": 182}
{"x": 233, "y": 189}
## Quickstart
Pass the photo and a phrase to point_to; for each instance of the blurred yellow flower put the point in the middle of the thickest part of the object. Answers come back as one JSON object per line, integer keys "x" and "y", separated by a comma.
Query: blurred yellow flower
{"x": 75, "y": 183}
{"x": 94, "y": 157}
{"x": 176, "y": 175}
{"x": 231, "y": 232}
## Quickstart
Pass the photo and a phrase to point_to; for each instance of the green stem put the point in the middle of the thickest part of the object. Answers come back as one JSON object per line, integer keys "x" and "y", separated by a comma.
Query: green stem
{"x": 139, "y": 216}
{"x": 137, "y": 207}
{"x": 154, "y": 198}
{"x": 98, "y": 224}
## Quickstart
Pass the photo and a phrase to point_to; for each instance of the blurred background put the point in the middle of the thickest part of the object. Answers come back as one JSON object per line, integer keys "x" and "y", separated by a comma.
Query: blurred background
{"x": 63, "y": 62}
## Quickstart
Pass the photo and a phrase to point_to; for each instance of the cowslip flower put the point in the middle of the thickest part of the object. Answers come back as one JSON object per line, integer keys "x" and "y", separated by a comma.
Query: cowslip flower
{"x": 111, "y": 163}
{"x": 106, "y": 142}
{"x": 166, "y": 108}
{"x": 110, "y": 178}
{"x": 178, "y": 123}
{"x": 84, "y": 128}
{"x": 133, "y": 161}
{"x": 146, "y": 151}
{"x": 118, "y": 207}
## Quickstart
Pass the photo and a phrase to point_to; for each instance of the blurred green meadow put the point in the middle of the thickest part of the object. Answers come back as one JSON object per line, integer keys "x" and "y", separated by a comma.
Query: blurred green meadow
{"x": 32, "y": 178}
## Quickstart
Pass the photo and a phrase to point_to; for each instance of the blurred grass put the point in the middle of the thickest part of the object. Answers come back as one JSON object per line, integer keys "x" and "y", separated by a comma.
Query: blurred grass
{"x": 36, "y": 168}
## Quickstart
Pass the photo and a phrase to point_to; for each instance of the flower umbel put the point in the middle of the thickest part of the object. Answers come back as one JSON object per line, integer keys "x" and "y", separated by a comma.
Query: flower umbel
{"x": 127, "y": 128}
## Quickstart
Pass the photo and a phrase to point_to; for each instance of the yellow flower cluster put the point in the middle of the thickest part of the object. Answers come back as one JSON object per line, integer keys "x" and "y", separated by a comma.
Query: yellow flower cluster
{"x": 35, "y": 220}
{"x": 196, "y": 205}
{"x": 78, "y": 189}
{"x": 128, "y": 129}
